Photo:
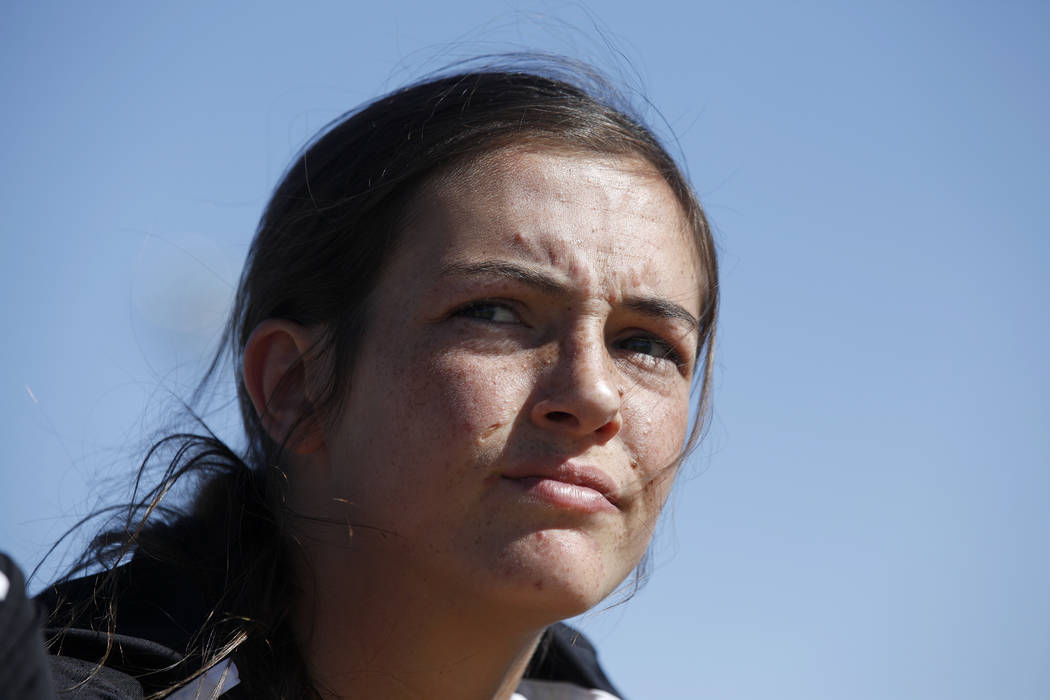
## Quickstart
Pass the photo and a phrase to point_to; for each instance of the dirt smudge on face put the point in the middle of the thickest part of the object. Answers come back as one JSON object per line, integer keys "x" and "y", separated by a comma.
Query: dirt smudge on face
{"x": 488, "y": 432}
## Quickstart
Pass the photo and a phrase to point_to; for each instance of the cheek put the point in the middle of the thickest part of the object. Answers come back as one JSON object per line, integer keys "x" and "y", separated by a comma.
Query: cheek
{"x": 479, "y": 397}
{"x": 656, "y": 427}
{"x": 656, "y": 432}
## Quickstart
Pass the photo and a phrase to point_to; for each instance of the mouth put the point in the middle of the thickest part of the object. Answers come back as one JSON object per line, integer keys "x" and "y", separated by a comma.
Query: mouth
{"x": 567, "y": 486}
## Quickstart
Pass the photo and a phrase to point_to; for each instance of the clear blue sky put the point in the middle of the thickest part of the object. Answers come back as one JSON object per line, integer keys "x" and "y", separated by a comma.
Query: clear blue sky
{"x": 870, "y": 515}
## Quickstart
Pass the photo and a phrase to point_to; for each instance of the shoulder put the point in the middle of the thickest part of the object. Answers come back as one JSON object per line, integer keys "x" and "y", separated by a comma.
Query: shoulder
{"x": 555, "y": 690}
{"x": 136, "y": 623}
{"x": 123, "y": 633}
{"x": 28, "y": 672}
{"x": 24, "y": 671}
{"x": 565, "y": 667}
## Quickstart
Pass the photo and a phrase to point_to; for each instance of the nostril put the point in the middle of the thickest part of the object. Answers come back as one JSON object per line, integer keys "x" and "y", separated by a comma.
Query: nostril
{"x": 559, "y": 416}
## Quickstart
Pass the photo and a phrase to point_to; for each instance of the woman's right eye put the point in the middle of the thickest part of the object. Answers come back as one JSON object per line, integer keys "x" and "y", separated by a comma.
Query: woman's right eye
{"x": 491, "y": 311}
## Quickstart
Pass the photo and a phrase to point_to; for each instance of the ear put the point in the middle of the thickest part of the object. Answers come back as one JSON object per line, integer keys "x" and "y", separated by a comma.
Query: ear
{"x": 276, "y": 376}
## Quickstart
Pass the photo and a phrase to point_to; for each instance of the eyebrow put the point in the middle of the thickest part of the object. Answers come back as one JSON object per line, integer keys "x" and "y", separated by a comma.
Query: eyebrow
{"x": 507, "y": 270}
{"x": 647, "y": 305}
{"x": 662, "y": 308}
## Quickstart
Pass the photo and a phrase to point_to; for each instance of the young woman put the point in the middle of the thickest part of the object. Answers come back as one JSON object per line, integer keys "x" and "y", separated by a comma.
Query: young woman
{"x": 465, "y": 337}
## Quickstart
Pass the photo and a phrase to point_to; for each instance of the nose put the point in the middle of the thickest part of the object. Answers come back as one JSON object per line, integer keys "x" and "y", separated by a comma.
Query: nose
{"x": 579, "y": 395}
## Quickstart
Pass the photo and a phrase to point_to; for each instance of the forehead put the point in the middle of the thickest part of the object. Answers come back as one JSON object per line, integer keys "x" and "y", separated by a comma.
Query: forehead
{"x": 605, "y": 223}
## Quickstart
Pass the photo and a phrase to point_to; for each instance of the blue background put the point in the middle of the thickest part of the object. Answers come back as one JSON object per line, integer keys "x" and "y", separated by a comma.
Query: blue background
{"x": 869, "y": 516}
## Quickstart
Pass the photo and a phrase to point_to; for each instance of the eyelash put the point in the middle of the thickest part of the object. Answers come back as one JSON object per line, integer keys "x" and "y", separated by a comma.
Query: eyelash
{"x": 485, "y": 310}
{"x": 666, "y": 350}
{"x": 476, "y": 310}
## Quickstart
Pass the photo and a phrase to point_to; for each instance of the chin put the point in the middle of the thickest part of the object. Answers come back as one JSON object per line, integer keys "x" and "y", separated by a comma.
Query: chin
{"x": 558, "y": 574}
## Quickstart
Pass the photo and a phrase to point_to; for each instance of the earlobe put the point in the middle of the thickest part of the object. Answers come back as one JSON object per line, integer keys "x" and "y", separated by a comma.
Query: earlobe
{"x": 277, "y": 379}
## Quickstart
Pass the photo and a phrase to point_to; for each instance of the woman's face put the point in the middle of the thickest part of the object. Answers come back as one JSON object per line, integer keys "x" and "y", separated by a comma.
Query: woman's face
{"x": 521, "y": 395}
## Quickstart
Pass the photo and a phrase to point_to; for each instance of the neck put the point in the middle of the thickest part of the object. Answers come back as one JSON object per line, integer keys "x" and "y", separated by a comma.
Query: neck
{"x": 375, "y": 626}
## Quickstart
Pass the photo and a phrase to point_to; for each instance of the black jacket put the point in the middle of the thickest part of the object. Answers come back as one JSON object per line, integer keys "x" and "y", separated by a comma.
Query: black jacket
{"x": 160, "y": 609}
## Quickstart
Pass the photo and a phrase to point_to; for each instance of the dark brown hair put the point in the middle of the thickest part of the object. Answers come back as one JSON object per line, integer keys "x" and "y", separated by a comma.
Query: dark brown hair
{"x": 322, "y": 241}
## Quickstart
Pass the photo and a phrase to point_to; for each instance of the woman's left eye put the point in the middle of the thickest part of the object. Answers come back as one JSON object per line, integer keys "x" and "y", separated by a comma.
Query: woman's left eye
{"x": 653, "y": 347}
{"x": 491, "y": 311}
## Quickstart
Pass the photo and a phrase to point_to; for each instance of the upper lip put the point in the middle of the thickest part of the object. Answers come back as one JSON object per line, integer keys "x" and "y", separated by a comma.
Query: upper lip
{"x": 570, "y": 473}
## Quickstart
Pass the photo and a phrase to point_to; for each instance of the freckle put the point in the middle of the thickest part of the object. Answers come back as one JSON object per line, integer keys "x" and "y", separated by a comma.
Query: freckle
{"x": 539, "y": 584}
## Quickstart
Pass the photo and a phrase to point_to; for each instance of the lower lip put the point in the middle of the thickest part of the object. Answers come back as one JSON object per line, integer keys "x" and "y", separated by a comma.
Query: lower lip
{"x": 562, "y": 495}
